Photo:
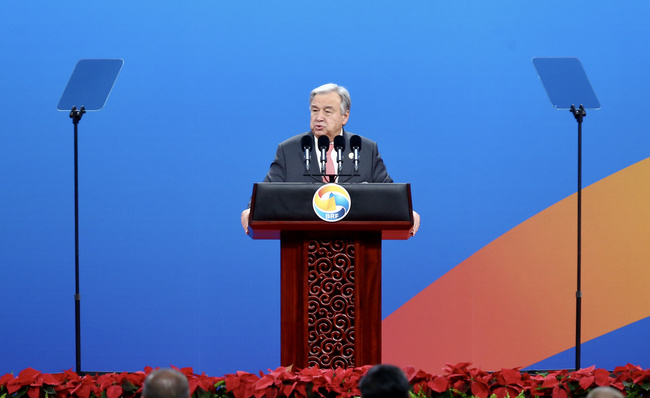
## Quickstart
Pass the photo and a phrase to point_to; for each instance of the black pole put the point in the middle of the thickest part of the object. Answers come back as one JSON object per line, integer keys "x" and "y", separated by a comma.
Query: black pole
{"x": 579, "y": 115}
{"x": 76, "y": 114}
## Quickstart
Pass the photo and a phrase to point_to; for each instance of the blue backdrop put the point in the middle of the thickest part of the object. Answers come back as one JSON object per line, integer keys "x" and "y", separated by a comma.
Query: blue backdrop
{"x": 207, "y": 91}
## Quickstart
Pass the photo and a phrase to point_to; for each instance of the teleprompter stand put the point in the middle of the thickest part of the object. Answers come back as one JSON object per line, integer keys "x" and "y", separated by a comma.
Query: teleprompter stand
{"x": 330, "y": 271}
{"x": 89, "y": 86}
{"x": 566, "y": 84}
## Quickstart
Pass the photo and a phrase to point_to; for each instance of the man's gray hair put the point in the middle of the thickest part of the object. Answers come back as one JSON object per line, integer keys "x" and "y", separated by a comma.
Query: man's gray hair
{"x": 333, "y": 88}
{"x": 605, "y": 392}
{"x": 166, "y": 383}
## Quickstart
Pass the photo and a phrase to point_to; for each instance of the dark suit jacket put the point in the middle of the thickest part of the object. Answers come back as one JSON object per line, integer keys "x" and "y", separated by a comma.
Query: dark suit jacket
{"x": 289, "y": 162}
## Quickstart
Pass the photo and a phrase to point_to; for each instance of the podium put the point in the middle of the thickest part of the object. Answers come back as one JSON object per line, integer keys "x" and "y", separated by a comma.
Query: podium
{"x": 330, "y": 271}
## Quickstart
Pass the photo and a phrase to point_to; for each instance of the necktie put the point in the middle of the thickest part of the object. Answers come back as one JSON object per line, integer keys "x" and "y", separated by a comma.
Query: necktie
{"x": 329, "y": 166}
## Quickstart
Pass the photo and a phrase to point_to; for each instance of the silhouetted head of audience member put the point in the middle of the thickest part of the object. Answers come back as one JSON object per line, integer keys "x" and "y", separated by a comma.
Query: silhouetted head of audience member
{"x": 384, "y": 381}
{"x": 166, "y": 383}
{"x": 605, "y": 392}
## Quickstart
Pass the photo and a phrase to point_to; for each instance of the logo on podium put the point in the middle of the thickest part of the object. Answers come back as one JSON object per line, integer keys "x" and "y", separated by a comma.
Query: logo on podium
{"x": 331, "y": 202}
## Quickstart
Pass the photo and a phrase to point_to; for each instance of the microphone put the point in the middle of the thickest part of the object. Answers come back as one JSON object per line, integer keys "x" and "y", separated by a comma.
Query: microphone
{"x": 339, "y": 146}
{"x": 305, "y": 142}
{"x": 355, "y": 144}
{"x": 323, "y": 143}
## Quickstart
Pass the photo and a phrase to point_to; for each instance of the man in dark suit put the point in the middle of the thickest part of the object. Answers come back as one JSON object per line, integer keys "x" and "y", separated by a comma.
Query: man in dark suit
{"x": 329, "y": 107}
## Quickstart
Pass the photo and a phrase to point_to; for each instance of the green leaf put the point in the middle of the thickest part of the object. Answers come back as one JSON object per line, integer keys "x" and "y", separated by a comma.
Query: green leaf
{"x": 201, "y": 393}
{"x": 20, "y": 392}
{"x": 127, "y": 386}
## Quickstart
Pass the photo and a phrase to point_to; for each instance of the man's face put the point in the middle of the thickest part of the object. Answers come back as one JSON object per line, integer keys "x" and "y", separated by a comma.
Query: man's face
{"x": 326, "y": 118}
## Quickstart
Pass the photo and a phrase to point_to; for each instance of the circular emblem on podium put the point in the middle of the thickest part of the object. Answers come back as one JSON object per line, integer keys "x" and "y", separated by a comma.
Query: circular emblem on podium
{"x": 331, "y": 202}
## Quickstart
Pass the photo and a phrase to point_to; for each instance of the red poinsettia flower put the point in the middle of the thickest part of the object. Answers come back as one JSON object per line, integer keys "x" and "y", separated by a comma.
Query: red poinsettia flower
{"x": 285, "y": 382}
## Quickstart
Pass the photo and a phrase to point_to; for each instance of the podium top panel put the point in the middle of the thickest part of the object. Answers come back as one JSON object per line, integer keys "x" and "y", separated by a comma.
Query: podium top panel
{"x": 277, "y": 207}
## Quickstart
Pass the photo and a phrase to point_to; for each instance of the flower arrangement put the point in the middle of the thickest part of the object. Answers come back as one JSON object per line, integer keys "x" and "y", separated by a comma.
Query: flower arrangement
{"x": 457, "y": 381}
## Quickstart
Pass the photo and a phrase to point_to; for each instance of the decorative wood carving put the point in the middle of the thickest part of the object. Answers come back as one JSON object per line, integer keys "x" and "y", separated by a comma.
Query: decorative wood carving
{"x": 331, "y": 303}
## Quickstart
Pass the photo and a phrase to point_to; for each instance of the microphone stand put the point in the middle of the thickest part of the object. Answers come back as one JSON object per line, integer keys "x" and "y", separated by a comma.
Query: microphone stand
{"x": 339, "y": 161}
{"x": 323, "y": 158}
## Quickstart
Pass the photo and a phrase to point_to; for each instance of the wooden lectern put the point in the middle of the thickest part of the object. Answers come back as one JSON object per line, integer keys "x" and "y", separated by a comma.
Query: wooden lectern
{"x": 330, "y": 271}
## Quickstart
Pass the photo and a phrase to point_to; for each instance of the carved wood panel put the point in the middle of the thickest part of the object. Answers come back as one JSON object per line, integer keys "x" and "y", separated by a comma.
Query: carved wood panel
{"x": 330, "y": 310}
